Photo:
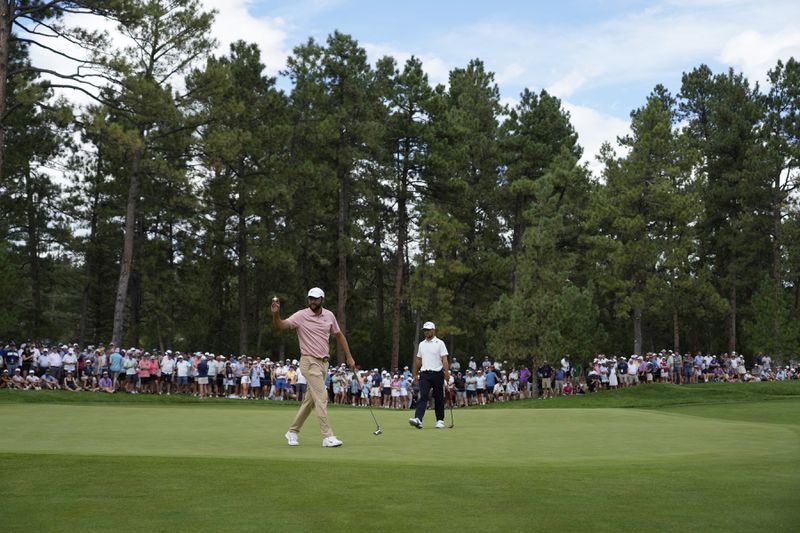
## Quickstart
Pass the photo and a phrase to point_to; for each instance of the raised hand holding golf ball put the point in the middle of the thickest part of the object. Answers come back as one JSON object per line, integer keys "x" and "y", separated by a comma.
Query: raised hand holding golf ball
{"x": 276, "y": 304}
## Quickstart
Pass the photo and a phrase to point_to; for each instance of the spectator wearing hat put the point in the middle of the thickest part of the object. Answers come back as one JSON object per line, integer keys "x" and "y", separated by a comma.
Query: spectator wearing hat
{"x": 256, "y": 374}
{"x": 131, "y": 365}
{"x": 315, "y": 325}
{"x": 267, "y": 384}
{"x": 546, "y": 373}
{"x": 386, "y": 389}
{"x": 115, "y": 361}
{"x": 5, "y": 380}
{"x": 355, "y": 388}
{"x": 70, "y": 383}
{"x": 406, "y": 390}
{"x": 471, "y": 384}
{"x": 218, "y": 384}
{"x": 291, "y": 379}
{"x": 491, "y": 376}
{"x": 101, "y": 356}
{"x": 480, "y": 387}
{"x": 69, "y": 360}
{"x": 244, "y": 379}
{"x": 460, "y": 386}
{"x": 55, "y": 364}
{"x": 26, "y": 358}
{"x": 396, "y": 383}
{"x": 33, "y": 381}
{"x": 280, "y": 381}
{"x": 18, "y": 380}
{"x": 431, "y": 370}
{"x": 613, "y": 380}
{"x": 365, "y": 384}
{"x": 89, "y": 383}
{"x": 42, "y": 362}
{"x": 11, "y": 357}
{"x": 202, "y": 377}
{"x": 565, "y": 365}
{"x": 167, "y": 365}
{"x": 145, "y": 372}
{"x": 182, "y": 368}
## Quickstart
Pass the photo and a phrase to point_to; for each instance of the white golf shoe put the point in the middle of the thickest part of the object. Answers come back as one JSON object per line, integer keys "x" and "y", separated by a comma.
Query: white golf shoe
{"x": 440, "y": 424}
{"x": 291, "y": 438}
{"x": 416, "y": 422}
{"x": 331, "y": 442}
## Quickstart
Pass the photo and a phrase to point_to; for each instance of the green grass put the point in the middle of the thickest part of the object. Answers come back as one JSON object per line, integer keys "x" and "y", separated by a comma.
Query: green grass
{"x": 659, "y": 458}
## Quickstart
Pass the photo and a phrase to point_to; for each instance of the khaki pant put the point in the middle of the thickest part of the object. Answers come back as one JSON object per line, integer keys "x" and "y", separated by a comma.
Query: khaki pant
{"x": 316, "y": 398}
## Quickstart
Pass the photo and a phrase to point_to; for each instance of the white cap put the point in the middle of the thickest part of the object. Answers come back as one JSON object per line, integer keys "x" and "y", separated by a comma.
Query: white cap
{"x": 428, "y": 325}
{"x": 316, "y": 292}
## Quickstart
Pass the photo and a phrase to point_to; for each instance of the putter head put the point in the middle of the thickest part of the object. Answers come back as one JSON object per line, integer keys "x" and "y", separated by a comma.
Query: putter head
{"x": 377, "y": 432}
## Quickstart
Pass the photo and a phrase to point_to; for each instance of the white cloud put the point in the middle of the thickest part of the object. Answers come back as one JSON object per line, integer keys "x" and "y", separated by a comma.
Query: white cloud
{"x": 755, "y": 53}
{"x": 511, "y": 73}
{"x": 594, "y": 128}
{"x": 234, "y": 22}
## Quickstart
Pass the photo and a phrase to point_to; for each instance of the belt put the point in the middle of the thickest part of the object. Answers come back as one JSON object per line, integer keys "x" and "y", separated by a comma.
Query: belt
{"x": 323, "y": 359}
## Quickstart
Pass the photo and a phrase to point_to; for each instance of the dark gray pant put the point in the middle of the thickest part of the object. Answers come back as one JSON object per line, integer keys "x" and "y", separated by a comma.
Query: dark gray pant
{"x": 431, "y": 380}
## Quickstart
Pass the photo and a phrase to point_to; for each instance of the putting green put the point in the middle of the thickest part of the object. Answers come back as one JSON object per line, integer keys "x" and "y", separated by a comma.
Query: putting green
{"x": 509, "y": 437}
{"x": 226, "y": 467}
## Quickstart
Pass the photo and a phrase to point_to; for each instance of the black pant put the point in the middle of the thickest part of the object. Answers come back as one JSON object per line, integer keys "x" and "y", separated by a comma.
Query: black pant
{"x": 431, "y": 380}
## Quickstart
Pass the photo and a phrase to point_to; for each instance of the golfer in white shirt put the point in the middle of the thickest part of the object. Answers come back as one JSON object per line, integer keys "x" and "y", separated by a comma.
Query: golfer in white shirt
{"x": 431, "y": 369}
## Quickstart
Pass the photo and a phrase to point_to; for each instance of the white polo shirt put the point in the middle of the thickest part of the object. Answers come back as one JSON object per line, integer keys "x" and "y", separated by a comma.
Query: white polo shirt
{"x": 431, "y": 353}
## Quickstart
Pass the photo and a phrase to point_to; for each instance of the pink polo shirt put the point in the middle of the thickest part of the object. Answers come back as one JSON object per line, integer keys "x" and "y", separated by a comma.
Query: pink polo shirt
{"x": 313, "y": 331}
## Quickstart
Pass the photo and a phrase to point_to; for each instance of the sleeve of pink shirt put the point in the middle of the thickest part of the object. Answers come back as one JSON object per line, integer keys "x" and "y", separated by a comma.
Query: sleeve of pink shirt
{"x": 334, "y": 325}
{"x": 294, "y": 319}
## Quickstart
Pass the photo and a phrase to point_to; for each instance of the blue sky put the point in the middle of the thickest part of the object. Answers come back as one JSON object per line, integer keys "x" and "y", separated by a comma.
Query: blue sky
{"x": 601, "y": 58}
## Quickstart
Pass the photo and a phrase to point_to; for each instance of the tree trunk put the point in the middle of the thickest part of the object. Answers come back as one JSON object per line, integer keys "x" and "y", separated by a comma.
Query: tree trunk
{"x": 242, "y": 275}
{"x": 399, "y": 274}
{"x": 732, "y": 322}
{"x": 777, "y": 266}
{"x": 32, "y": 227}
{"x": 257, "y": 319}
{"x": 797, "y": 296}
{"x": 343, "y": 246}
{"x": 126, "y": 264}
{"x": 676, "y": 330}
{"x": 379, "y": 281}
{"x": 135, "y": 295}
{"x": 637, "y": 329}
{"x": 89, "y": 261}
{"x": 7, "y": 8}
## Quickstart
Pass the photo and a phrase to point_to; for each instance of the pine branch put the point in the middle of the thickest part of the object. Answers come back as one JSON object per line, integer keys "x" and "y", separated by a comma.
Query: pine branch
{"x": 83, "y": 62}
{"x": 25, "y": 13}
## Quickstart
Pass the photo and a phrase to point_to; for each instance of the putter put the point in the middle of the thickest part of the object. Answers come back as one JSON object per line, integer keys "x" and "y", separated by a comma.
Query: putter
{"x": 378, "y": 430}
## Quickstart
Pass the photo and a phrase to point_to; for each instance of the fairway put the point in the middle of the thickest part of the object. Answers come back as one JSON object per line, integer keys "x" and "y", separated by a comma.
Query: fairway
{"x": 135, "y": 467}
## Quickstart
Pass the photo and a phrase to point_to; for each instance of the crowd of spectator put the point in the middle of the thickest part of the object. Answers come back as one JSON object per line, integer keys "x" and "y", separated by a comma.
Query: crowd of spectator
{"x": 111, "y": 370}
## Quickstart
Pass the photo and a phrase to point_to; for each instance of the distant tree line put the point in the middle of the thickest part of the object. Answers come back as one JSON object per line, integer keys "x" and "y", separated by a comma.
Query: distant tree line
{"x": 170, "y": 211}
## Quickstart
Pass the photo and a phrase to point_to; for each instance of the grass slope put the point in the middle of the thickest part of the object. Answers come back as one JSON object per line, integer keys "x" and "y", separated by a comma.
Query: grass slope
{"x": 707, "y": 460}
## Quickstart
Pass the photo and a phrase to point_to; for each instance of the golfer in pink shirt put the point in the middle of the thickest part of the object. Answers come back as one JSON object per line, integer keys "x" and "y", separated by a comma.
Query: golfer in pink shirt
{"x": 314, "y": 326}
